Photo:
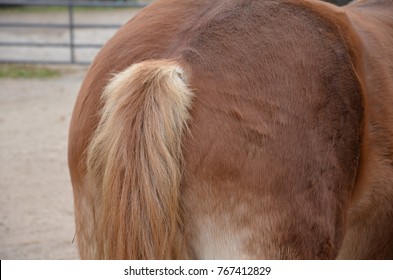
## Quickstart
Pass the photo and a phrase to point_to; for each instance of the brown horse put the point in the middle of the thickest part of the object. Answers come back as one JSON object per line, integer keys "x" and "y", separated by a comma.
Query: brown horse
{"x": 238, "y": 129}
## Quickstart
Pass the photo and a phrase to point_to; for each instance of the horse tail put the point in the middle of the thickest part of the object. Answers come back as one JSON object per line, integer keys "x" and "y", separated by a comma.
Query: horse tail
{"x": 134, "y": 163}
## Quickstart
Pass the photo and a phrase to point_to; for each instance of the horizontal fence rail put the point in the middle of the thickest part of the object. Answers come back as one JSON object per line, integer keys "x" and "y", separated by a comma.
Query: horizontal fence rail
{"x": 70, "y": 25}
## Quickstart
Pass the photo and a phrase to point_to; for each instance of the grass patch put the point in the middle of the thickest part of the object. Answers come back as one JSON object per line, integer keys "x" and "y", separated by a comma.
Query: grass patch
{"x": 27, "y": 72}
{"x": 30, "y": 9}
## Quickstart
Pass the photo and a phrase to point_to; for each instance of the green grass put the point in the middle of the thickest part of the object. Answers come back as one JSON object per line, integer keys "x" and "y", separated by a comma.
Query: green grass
{"x": 27, "y": 72}
{"x": 30, "y": 9}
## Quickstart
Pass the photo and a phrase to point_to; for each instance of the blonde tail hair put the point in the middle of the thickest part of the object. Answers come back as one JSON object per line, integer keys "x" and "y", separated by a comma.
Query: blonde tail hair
{"x": 134, "y": 163}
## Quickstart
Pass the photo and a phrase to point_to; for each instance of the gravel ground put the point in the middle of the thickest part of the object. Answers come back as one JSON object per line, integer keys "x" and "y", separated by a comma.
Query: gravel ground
{"x": 36, "y": 203}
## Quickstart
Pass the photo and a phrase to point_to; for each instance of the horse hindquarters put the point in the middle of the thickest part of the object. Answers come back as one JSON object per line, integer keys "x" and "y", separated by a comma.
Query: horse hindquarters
{"x": 276, "y": 133}
{"x": 273, "y": 148}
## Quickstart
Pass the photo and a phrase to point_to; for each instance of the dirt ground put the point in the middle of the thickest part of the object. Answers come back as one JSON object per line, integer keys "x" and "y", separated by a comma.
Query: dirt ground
{"x": 36, "y": 202}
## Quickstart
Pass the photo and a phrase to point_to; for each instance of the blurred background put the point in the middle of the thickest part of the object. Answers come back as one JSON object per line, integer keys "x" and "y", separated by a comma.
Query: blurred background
{"x": 46, "y": 47}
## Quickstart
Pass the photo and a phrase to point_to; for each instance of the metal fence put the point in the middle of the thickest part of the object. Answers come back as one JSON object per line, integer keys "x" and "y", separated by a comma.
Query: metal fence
{"x": 70, "y": 25}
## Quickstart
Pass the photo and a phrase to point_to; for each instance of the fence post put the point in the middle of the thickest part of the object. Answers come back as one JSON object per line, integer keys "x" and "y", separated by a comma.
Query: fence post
{"x": 72, "y": 26}
{"x": 71, "y": 29}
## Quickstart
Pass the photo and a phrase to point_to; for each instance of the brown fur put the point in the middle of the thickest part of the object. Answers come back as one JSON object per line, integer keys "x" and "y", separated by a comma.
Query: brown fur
{"x": 288, "y": 155}
{"x": 370, "y": 228}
